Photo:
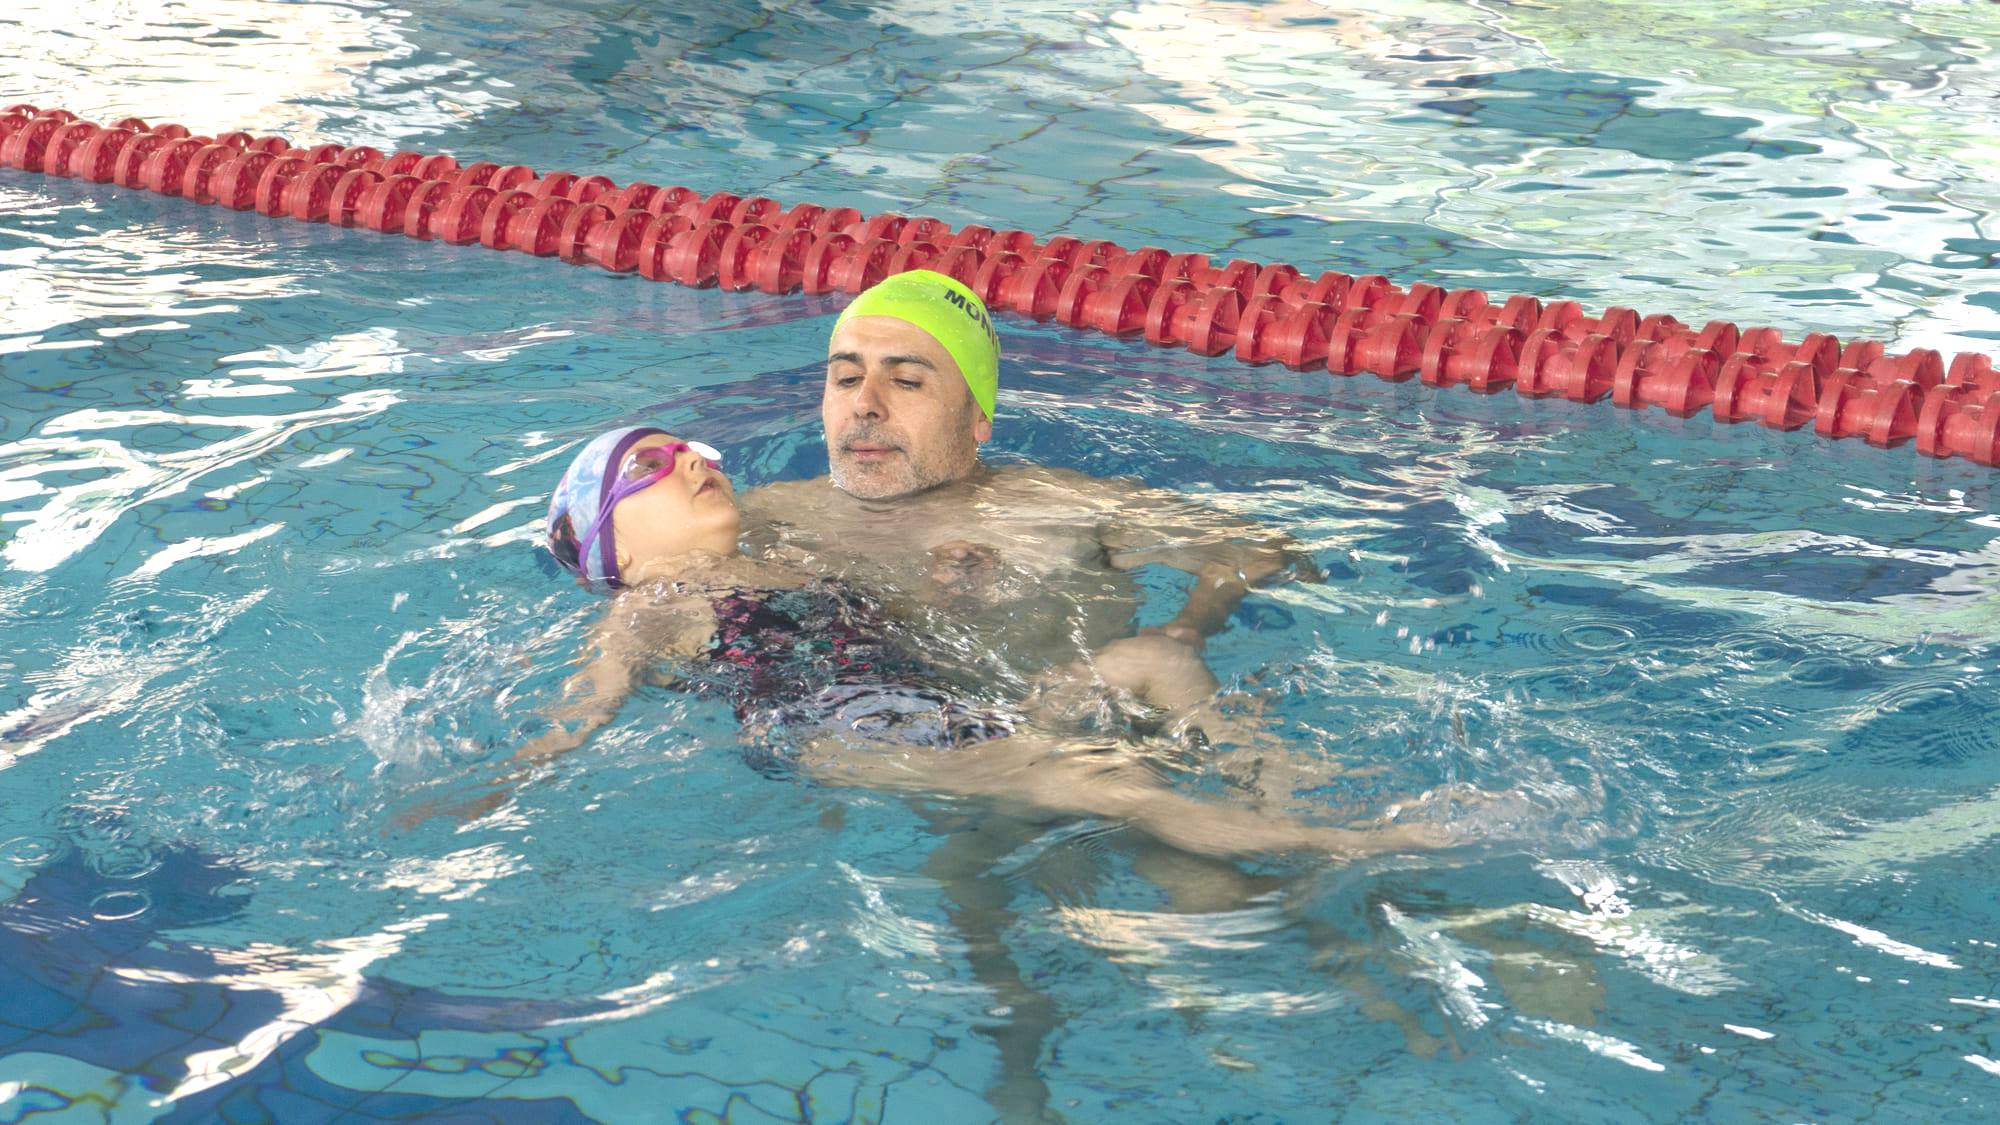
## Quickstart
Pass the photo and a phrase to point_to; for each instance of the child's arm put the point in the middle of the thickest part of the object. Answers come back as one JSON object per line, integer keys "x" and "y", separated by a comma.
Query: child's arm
{"x": 592, "y": 696}
{"x": 621, "y": 642}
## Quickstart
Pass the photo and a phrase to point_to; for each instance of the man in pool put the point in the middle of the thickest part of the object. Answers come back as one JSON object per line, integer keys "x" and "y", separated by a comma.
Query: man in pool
{"x": 655, "y": 520}
{"x": 911, "y": 511}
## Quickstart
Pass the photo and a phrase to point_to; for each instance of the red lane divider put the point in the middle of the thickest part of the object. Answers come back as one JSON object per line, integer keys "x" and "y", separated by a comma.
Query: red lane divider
{"x": 1263, "y": 313}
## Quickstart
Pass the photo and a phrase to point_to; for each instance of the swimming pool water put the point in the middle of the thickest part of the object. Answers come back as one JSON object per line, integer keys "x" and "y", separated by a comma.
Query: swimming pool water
{"x": 268, "y": 496}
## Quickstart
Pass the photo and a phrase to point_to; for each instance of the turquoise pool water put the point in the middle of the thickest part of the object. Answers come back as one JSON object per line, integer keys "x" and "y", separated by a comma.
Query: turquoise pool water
{"x": 267, "y": 568}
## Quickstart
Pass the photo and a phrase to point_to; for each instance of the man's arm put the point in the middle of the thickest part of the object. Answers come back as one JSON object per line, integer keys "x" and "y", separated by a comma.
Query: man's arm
{"x": 1143, "y": 526}
{"x": 1227, "y": 554}
{"x": 1218, "y": 589}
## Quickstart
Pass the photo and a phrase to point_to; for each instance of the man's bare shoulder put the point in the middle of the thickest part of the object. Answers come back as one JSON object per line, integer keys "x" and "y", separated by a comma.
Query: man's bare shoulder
{"x": 1056, "y": 481}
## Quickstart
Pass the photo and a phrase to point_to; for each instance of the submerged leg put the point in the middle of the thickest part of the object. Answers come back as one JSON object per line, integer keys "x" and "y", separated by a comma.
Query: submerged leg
{"x": 1040, "y": 773}
{"x": 977, "y": 900}
{"x": 1196, "y": 884}
{"x": 1199, "y": 885}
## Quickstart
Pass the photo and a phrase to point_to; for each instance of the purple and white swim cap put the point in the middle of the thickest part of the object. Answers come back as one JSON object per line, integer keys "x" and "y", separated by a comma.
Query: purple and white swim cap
{"x": 581, "y": 494}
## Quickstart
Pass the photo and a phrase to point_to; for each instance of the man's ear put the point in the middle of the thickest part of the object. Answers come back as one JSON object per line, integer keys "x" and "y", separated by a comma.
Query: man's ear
{"x": 982, "y": 427}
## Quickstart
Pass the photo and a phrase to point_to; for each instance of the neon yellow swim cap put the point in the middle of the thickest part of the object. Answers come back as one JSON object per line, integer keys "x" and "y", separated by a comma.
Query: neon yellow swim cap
{"x": 953, "y": 315}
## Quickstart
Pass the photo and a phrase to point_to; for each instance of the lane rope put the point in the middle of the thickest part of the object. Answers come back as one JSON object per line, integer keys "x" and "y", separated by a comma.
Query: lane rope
{"x": 1264, "y": 313}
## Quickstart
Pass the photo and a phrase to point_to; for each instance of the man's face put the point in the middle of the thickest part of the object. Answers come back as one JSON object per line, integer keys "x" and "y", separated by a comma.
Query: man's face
{"x": 899, "y": 418}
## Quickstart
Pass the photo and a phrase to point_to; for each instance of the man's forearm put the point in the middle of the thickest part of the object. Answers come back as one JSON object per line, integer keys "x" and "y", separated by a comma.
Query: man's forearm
{"x": 1217, "y": 591}
{"x": 1255, "y": 561}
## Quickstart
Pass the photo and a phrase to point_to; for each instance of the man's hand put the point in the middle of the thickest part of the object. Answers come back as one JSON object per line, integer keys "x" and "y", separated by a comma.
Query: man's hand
{"x": 1300, "y": 562}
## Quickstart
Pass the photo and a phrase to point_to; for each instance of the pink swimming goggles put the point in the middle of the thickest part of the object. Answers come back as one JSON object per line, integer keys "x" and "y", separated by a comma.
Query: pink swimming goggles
{"x": 641, "y": 469}
{"x": 608, "y": 469}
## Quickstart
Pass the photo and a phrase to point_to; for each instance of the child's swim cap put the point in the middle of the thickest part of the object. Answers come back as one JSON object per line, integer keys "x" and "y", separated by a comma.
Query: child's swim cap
{"x": 580, "y": 495}
{"x": 953, "y": 315}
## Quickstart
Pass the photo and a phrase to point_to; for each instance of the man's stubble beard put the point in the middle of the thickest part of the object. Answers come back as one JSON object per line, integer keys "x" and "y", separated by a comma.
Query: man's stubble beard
{"x": 914, "y": 478}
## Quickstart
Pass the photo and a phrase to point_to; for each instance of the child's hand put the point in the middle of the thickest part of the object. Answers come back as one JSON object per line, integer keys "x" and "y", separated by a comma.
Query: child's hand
{"x": 1466, "y": 813}
{"x": 464, "y": 812}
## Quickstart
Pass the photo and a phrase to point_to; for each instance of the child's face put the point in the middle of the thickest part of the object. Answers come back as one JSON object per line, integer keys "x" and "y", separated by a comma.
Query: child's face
{"x": 691, "y": 508}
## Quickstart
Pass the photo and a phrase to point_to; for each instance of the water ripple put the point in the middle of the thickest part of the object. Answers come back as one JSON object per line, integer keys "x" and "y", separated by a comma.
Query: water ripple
{"x": 121, "y": 477}
{"x": 266, "y": 500}
{"x": 1929, "y": 721}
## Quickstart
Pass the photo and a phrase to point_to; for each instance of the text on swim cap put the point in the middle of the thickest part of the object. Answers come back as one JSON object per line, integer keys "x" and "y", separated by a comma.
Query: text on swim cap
{"x": 972, "y": 310}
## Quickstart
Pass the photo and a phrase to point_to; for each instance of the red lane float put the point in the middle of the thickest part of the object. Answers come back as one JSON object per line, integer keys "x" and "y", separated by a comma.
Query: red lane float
{"x": 1264, "y": 313}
